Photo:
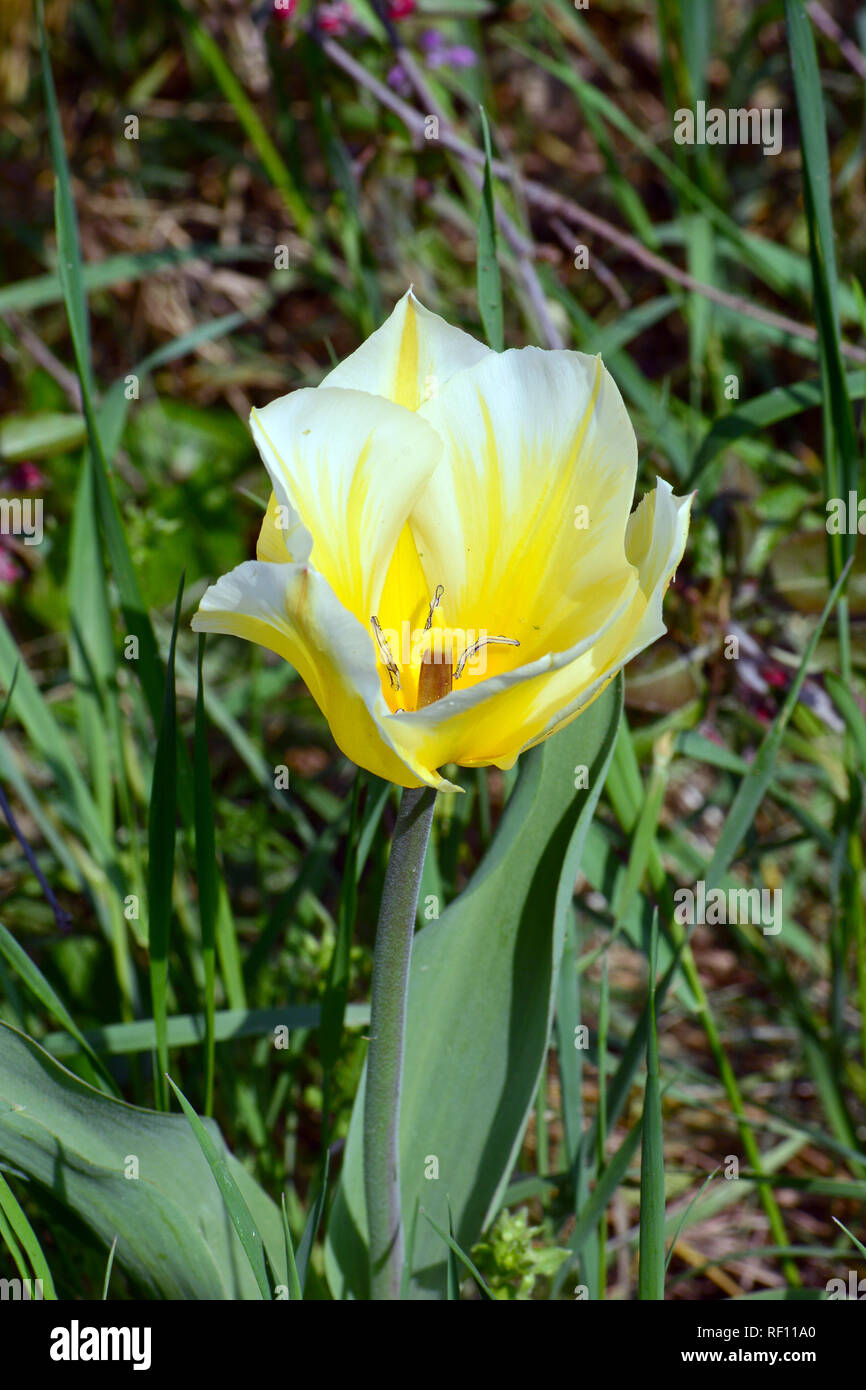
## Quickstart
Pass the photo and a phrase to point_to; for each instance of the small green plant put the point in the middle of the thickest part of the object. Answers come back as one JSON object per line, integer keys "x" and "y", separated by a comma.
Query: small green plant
{"x": 508, "y": 1259}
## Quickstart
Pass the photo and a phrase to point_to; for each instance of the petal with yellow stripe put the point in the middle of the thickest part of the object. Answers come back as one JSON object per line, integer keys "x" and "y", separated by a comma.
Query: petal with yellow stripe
{"x": 350, "y": 468}
{"x": 524, "y": 520}
{"x": 410, "y": 358}
{"x": 505, "y": 714}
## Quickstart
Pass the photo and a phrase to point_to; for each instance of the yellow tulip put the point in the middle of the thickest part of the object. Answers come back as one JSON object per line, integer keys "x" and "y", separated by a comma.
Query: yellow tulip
{"x": 447, "y": 558}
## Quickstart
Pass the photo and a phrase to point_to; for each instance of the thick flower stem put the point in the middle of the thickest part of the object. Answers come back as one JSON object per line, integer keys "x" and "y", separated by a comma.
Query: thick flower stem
{"x": 387, "y": 1031}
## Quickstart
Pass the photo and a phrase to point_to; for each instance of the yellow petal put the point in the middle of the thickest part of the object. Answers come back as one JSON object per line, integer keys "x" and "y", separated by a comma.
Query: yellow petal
{"x": 655, "y": 543}
{"x": 273, "y": 543}
{"x": 291, "y": 609}
{"x": 524, "y": 520}
{"x": 503, "y": 715}
{"x": 350, "y": 467}
{"x": 409, "y": 358}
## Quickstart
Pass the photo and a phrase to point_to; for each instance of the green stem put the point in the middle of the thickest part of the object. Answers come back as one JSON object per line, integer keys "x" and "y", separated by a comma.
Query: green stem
{"x": 387, "y": 1031}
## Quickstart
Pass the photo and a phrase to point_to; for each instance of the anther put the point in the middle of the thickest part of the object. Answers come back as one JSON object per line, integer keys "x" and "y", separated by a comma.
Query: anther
{"x": 476, "y": 647}
{"x": 437, "y": 599}
{"x": 385, "y": 652}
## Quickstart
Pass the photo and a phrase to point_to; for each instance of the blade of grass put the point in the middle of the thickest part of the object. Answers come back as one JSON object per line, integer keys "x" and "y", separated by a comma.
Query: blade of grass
{"x": 754, "y": 785}
{"x": 461, "y": 1255}
{"x": 295, "y": 1287}
{"x": 860, "y": 1246}
{"x": 272, "y": 161}
{"x": 570, "y": 1057}
{"x": 651, "y": 1271}
{"x": 489, "y": 280}
{"x": 314, "y": 1217}
{"x": 685, "y": 1216}
{"x": 755, "y": 415}
{"x": 840, "y": 457}
{"x": 108, "y": 1268}
{"x": 452, "y": 1290}
{"x": 238, "y": 1211}
{"x": 188, "y": 1030}
{"x": 644, "y": 838}
{"x": 50, "y": 1000}
{"x": 7, "y": 1235}
{"x": 410, "y": 1251}
{"x": 336, "y": 992}
{"x": 161, "y": 838}
{"x": 72, "y": 284}
{"x": 92, "y": 663}
{"x": 205, "y": 861}
{"x": 601, "y": 1127}
{"x": 26, "y": 1236}
{"x": 43, "y": 290}
{"x": 614, "y": 1172}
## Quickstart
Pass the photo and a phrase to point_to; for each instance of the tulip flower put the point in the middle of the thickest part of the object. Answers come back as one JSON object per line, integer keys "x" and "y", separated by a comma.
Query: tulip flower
{"x": 449, "y": 558}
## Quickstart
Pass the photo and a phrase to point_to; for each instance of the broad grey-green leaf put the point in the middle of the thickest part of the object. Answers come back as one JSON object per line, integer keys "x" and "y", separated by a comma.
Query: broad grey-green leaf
{"x": 174, "y": 1233}
{"x": 481, "y": 992}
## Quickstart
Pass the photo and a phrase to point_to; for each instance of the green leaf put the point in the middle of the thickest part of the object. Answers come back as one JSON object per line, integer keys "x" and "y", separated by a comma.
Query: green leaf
{"x": 481, "y": 989}
{"x": 170, "y": 1221}
{"x": 39, "y": 436}
{"x": 488, "y": 277}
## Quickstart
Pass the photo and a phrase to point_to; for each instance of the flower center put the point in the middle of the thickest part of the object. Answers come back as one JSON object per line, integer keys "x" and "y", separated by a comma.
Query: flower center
{"x": 433, "y": 655}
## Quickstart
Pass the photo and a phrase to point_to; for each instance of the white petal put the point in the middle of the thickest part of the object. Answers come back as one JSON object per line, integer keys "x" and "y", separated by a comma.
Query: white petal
{"x": 351, "y": 467}
{"x": 531, "y": 439}
{"x": 409, "y": 358}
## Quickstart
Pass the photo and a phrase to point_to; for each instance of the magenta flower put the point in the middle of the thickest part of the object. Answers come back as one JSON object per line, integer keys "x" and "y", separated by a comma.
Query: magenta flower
{"x": 334, "y": 18}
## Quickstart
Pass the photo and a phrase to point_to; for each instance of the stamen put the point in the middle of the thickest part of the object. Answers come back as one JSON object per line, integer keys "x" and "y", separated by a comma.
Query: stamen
{"x": 385, "y": 652}
{"x": 436, "y": 674}
{"x": 476, "y": 647}
{"x": 437, "y": 599}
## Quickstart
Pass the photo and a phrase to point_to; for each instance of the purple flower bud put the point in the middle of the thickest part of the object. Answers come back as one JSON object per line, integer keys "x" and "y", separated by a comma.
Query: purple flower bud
{"x": 431, "y": 41}
{"x": 398, "y": 79}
